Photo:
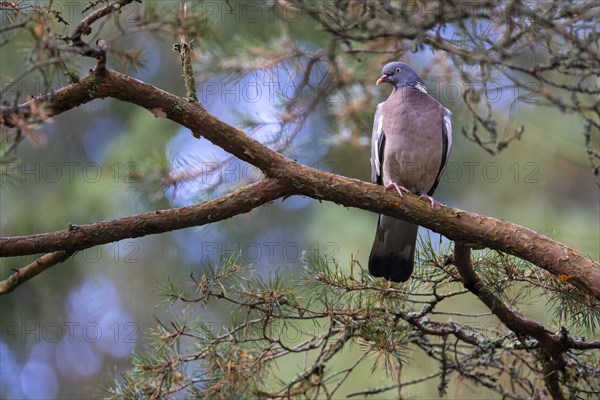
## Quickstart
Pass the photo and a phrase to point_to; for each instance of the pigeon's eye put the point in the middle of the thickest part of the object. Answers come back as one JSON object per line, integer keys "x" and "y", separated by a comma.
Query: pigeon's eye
{"x": 398, "y": 70}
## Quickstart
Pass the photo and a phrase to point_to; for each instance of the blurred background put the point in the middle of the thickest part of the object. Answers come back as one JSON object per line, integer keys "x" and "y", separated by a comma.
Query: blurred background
{"x": 73, "y": 328}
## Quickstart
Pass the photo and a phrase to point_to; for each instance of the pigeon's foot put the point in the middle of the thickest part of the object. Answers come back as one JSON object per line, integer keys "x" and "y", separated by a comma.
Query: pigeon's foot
{"x": 398, "y": 188}
{"x": 430, "y": 199}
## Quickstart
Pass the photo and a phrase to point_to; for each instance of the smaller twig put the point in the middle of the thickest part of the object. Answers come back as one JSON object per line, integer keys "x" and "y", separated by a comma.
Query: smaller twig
{"x": 184, "y": 48}
{"x": 399, "y": 375}
{"x": 346, "y": 372}
{"x": 373, "y": 391}
{"x": 84, "y": 28}
{"x": 19, "y": 25}
{"x": 24, "y": 274}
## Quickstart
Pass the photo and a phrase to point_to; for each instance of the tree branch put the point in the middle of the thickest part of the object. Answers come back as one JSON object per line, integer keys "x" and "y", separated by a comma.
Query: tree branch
{"x": 79, "y": 237}
{"x": 184, "y": 48}
{"x": 84, "y": 27}
{"x": 24, "y": 274}
{"x": 290, "y": 178}
{"x": 552, "y": 344}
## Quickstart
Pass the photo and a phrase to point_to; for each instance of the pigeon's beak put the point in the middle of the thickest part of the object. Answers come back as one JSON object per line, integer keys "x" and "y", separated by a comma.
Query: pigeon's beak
{"x": 384, "y": 78}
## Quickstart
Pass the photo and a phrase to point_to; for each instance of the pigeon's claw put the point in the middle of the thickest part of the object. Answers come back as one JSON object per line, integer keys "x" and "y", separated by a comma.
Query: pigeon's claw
{"x": 399, "y": 189}
{"x": 429, "y": 198}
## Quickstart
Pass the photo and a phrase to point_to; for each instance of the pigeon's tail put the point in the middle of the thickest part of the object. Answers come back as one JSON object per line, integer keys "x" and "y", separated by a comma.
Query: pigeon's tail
{"x": 393, "y": 252}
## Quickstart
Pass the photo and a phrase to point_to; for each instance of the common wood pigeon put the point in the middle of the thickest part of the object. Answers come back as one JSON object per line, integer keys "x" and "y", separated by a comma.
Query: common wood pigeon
{"x": 412, "y": 136}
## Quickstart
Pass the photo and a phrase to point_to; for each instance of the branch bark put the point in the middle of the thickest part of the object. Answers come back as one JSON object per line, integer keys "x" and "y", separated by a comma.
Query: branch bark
{"x": 24, "y": 274}
{"x": 79, "y": 237}
{"x": 288, "y": 178}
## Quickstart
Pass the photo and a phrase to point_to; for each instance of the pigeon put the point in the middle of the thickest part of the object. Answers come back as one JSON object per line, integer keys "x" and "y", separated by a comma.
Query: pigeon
{"x": 410, "y": 145}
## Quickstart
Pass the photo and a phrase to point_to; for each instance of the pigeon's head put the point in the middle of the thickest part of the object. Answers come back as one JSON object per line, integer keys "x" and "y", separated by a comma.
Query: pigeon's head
{"x": 400, "y": 75}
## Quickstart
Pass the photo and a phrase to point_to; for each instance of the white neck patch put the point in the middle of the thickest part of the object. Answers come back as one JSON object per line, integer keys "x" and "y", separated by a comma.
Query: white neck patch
{"x": 419, "y": 86}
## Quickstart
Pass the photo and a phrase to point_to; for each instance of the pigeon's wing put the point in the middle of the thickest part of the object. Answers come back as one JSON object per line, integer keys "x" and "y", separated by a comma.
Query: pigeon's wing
{"x": 446, "y": 145}
{"x": 377, "y": 146}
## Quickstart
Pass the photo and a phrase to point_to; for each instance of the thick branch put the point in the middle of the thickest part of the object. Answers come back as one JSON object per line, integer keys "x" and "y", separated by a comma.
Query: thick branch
{"x": 455, "y": 224}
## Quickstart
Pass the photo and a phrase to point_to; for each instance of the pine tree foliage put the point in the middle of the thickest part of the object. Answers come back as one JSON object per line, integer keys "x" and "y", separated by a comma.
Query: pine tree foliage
{"x": 308, "y": 320}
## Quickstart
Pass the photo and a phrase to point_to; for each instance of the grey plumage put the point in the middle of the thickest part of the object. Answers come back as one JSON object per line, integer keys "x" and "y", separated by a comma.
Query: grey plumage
{"x": 412, "y": 136}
